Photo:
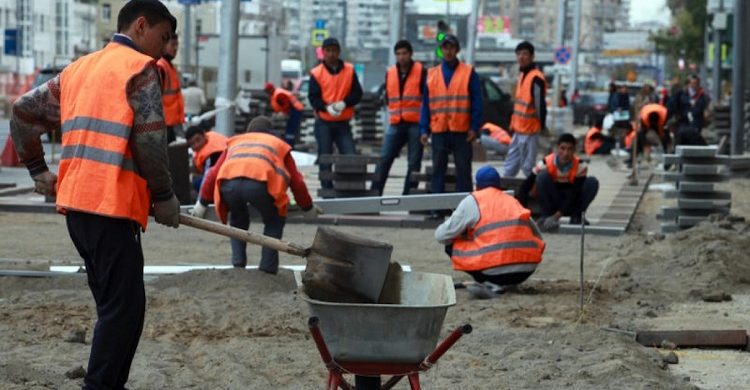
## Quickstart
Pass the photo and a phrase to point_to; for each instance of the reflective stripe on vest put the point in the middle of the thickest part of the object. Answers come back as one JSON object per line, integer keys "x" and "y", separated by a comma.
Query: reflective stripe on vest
{"x": 524, "y": 119}
{"x": 590, "y": 145}
{"x": 284, "y": 104}
{"x": 215, "y": 142}
{"x": 334, "y": 88}
{"x": 498, "y": 133}
{"x": 171, "y": 94}
{"x": 651, "y": 108}
{"x": 549, "y": 162}
{"x": 404, "y": 106}
{"x": 257, "y": 156}
{"x": 503, "y": 236}
{"x": 97, "y": 173}
{"x": 450, "y": 106}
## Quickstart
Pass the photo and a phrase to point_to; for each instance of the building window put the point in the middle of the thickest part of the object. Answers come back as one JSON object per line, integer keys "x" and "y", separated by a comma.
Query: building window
{"x": 106, "y": 12}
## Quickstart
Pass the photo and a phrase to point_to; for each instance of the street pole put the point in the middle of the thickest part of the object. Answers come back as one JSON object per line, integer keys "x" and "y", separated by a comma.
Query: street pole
{"x": 717, "y": 53}
{"x": 472, "y": 38}
{"x": 576, "y": 48}
{"x": 738, "y": 78}
{"x": 227, "y": 88}
{"x": 186, "y": 39}
{"x": 560, "y": 42}
{"x": 396, "y": 26}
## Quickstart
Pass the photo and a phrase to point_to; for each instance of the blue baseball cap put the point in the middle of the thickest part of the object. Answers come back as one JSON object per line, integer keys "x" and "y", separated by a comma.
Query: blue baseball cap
{"x": 487, "y": 176}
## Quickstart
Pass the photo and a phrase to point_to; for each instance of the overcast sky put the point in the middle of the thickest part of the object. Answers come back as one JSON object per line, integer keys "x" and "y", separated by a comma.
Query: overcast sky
{"x": 640, "y": 10}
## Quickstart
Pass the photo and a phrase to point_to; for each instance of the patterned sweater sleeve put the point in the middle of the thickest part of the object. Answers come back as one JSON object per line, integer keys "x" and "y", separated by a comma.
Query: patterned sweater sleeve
{"x": 148, "y": 139}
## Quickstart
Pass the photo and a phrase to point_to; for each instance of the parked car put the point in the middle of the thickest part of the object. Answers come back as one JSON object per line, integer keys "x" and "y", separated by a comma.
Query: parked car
{"x": 588, "y": 105}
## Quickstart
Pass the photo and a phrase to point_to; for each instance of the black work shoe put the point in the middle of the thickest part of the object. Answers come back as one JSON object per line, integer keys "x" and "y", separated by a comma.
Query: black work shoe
{"x": 577, "y": 221}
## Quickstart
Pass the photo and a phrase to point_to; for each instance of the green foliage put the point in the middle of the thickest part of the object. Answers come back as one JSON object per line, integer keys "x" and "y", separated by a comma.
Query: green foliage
{"x": 684, "y": 39}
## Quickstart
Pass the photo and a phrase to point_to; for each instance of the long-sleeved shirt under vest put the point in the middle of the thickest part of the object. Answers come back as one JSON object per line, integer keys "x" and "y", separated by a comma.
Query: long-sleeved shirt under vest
{"x": 475, "y": 97}
{"x": 538, "y": 94}
{"x": 39, "y": 110}
{"x": 315, "y": 94}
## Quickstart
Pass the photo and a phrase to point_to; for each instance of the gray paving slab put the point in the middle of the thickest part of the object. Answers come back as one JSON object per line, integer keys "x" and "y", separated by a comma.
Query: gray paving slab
{"x": 696, "y": 151}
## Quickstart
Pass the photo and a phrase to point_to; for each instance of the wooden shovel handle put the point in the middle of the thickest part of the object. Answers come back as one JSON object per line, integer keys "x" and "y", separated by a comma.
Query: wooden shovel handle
{"x": 244, "y": 235}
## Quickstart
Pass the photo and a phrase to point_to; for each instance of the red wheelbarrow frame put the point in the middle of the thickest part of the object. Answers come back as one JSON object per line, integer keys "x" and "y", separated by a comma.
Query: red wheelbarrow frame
{"x": 336, "y": 370}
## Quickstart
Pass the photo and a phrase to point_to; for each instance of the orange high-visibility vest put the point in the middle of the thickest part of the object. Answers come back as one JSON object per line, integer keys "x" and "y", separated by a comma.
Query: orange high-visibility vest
{"x": 503, "y": 235}
{"x": 524, "y": 119}
{"x": 334, "y": 88}
{"x": 171, "y": 94}
{"x": 549, "y": 162}
{"x": 450, "y": 107}
{"x": 660, "y": 110}
{"x": 215, "y": 142}
{"x": 629, "y": 138}
{"x": 590, "y": 145}
{"x": 283, "y": 100}
{"x": 404, "y": 106}
{"x": 257, "y": 156}
{"x": 97, "y": 173}
{"x": 498, "y": 133}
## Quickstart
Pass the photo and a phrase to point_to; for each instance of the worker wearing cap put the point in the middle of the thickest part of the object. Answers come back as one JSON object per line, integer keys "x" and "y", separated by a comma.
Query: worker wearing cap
{"x": 285, "y": 102}
{"x": 529, "y": 113}
{"x": 113, "y": 169}
{"x": 495, "y": 138}
{"x": 452, "y": 115}
{"x": 333, "y": 93}
{"x": 562, "y": 185}
{"x": 404, "y": 84}
{"x": 491, "y": 237}
{"x": 171, "y": 91}
{"x": 257, "y": 168}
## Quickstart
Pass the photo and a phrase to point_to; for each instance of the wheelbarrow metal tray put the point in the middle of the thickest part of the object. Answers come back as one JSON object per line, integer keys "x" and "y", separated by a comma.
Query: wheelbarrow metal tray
{"x": 388, "y": 333}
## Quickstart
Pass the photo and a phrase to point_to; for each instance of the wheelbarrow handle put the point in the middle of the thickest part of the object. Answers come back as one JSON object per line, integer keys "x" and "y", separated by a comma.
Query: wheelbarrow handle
{"x": 445, "y": 345}
{"x": 244, "y": 235}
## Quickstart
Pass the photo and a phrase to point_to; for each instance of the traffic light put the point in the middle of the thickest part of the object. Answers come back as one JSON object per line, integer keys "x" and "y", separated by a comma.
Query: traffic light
{"x": 442, "y": 30}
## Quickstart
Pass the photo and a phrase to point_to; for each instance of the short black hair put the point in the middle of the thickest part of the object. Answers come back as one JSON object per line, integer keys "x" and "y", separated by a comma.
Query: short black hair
{"x": 567, "y": 138}
{"x": 653, "y": 121}
{"x": 403, "y": 44}
{"x": 525, "y": 45}
{"x": 194, "y": 130}
{"x": 597, "y": 120}
{"x": 154, "y": 11}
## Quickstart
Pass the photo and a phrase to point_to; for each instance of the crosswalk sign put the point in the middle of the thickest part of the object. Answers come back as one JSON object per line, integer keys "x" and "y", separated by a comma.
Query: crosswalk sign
{"x": 318, "y": 36}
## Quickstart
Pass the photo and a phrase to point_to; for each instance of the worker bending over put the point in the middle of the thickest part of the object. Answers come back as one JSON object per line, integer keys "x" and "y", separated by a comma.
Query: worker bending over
{"x": 113, "y": 170}
{"x": 283, "y": 101}
{"x": 257, "y": 168}
{"x": 562, "y": 187}
{"x": 595, "y": 141}
{"x": 491, "y": 237}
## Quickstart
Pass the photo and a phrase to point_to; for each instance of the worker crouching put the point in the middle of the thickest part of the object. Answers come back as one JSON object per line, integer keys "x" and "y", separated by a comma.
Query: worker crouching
{"x": 491, "y": 237}
{"x": 257, "y": 168}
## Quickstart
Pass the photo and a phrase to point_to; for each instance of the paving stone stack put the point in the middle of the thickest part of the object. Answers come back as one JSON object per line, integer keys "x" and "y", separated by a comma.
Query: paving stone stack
{"x": 699, "y": 170}
{"x": 368, "y": 126}
{"x": 352, "y": 175}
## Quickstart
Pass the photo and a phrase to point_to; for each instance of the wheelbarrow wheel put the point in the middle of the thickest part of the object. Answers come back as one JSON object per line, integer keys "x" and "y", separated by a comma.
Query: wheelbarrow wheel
{"x": 366, "y": 382}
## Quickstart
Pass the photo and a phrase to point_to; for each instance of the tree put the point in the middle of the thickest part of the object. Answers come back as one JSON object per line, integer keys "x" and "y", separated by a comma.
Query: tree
{"x": 684, "y": 39}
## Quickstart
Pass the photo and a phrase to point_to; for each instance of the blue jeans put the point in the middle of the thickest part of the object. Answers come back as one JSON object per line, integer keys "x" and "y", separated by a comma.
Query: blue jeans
{"x": 444, "y": 144}
{"x": 553, "y": 197}
{"x": 328, "y": 133}
{"x": 397, "y": 136}
{"x": 292, "y": 126}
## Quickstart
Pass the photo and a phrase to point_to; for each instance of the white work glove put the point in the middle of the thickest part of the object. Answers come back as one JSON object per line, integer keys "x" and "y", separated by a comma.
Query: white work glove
{"x": 550, "y": 224}
{"x": 167, "y": 212}
{"x": 45, "y": 183}
{"x": 313, "y": 212}
{"x": 339, "y": 106}
{"x": 331, "y": 110}
{"x": 199, "y": 210}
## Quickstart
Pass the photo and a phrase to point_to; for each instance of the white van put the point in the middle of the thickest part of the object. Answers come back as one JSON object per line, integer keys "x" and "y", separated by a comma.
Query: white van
{"x": 291, "y": 73}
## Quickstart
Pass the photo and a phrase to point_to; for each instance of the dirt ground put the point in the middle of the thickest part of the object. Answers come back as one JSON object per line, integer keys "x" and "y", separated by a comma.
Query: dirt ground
{"x": 230, "y": 329}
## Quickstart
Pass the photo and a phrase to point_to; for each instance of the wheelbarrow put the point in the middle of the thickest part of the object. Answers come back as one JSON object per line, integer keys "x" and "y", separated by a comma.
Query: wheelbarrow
{"x": 370, "y": 340}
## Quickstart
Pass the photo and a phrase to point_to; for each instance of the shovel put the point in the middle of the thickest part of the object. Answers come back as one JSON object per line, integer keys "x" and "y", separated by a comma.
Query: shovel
{"x": 340, "y": 267}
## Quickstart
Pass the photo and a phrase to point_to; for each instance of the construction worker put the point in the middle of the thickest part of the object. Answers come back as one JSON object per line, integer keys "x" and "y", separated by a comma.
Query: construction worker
{"x": 113, "y": 169}
{"x": 653, "y": 118}
{"x": 452, "y": 114}
{"x": 333, "y": 92}
{"x": 495, "y": 138}
{"x": 171, "y": 91}
{"x": 491, "y": 237}
{"x": 207, "y": 147}
{"x": 595, "y": 141}
{"x": 529, "y": 113}
{"x": 256, "y": 168}
{"x": 562, "y": 187}
{"x": 285, "y": 102}
{"x": 404, "y": 83}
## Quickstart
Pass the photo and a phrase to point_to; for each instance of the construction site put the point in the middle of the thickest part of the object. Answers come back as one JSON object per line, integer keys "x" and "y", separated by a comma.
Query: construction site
{"x": 646, "y": 287}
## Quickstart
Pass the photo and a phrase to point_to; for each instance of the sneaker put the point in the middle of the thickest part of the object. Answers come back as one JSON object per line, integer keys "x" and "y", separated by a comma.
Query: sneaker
{"x": 481, "y": 291}
{"x": 549, "y": 224}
